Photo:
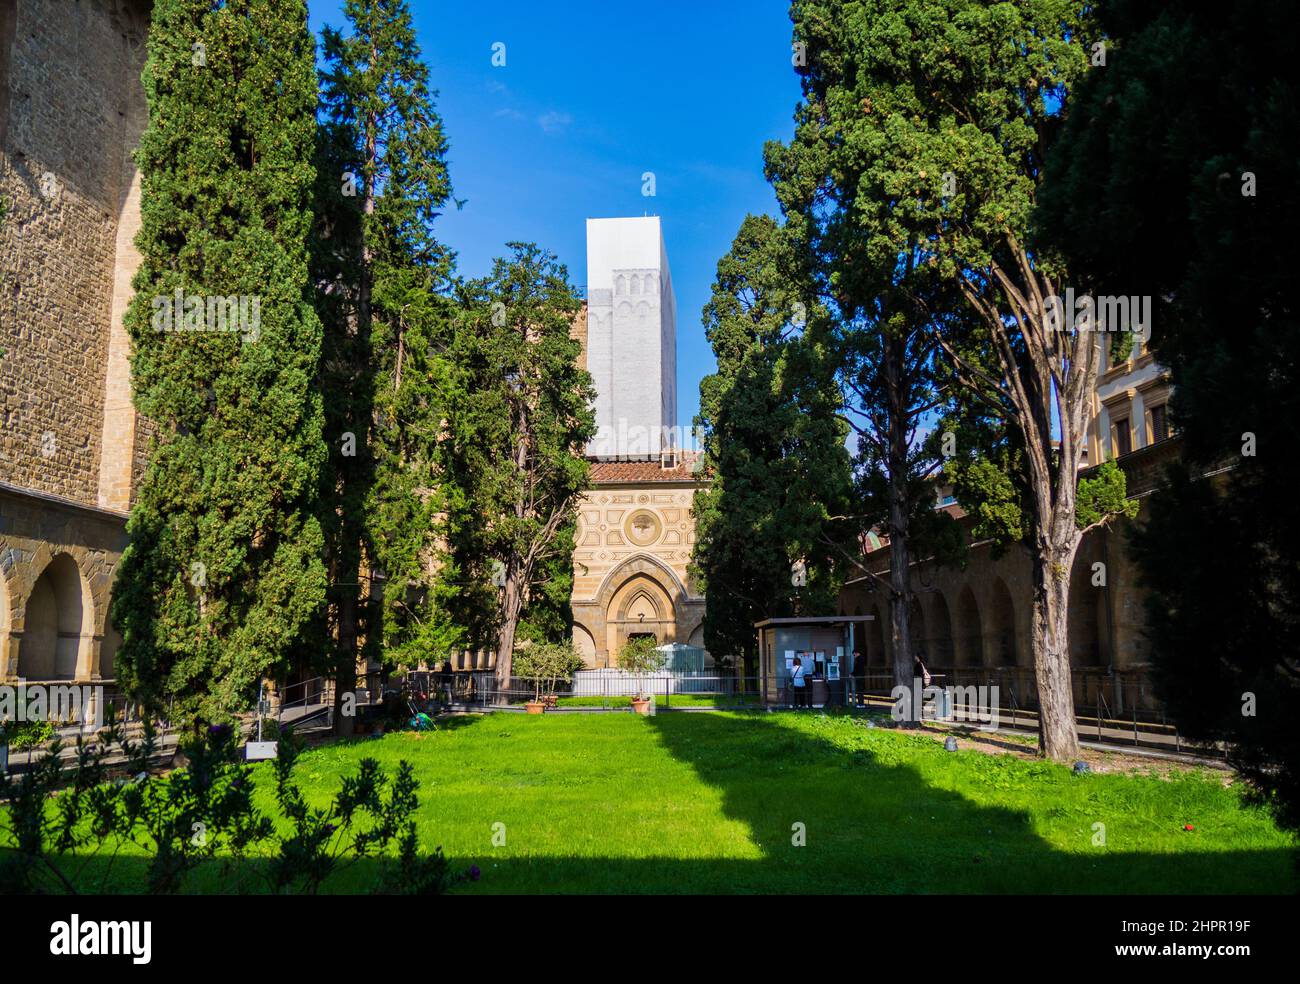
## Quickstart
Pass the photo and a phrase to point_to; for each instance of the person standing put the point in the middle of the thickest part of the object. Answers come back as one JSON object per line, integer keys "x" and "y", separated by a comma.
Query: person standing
{"x": 798, "y": 684}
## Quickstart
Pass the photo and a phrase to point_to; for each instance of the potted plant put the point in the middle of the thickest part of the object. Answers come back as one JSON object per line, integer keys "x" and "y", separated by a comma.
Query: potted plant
{"x": 641, "y": 657}
{"x": 546, "y": 665}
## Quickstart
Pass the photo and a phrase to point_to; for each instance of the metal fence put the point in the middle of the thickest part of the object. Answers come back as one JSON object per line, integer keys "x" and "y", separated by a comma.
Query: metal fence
{"x": 595, "y": 690}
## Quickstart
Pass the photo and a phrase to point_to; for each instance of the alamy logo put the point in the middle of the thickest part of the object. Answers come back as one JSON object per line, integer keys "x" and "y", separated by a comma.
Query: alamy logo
{"x": 102, "y": 939}
{"x": 236, "y": 313}
{"x": 1106, "y": 313}
{"x": 977, "y": 705}
{"x": 26, "y": 703}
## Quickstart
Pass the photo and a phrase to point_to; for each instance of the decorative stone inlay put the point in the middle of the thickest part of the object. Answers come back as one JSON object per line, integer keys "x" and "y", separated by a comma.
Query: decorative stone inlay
{"x": 643, "y": 528}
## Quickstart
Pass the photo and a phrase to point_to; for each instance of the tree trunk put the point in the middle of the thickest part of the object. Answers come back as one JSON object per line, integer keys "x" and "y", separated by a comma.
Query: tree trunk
{"x": 900, "y": 555}
{"x": 345, "y": 682}
{"x": 511, "y": 606}
{"x": 900, "y": 629}
{"x": 1057, "y": 732}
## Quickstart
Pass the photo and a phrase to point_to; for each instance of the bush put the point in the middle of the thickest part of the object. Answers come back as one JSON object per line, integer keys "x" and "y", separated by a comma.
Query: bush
{"x": 204, "y": 812}
{"x": 546, "y": 664}
{"x": 25, "y": 736}
{"x": 641, "y": 657}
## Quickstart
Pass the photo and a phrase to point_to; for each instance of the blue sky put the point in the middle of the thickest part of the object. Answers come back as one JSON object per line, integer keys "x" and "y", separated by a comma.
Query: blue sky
{"x": 593, "y": 94}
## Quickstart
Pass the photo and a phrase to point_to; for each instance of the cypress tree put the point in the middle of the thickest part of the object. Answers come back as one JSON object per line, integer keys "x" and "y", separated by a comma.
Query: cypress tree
{"x": 774, "y": 447}
{"x": 517, "y": 421}
{"x": 223, "y": 571}
{"x": 383, "y": 181}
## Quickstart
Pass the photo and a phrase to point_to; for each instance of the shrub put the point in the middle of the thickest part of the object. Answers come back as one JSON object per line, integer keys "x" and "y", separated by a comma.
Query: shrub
{"x": 204, "y": 811}
{"x": 546, "y": 664}
{"x": 641, "y": 657}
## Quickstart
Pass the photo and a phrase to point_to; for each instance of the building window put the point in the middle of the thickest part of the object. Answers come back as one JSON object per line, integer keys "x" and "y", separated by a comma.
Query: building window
{"x": 1123, "y": 437}
{"x": 1159, "y": 424}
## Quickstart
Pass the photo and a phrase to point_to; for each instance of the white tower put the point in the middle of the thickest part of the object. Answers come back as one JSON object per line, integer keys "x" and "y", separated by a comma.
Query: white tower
{"x": 631, "y": 338}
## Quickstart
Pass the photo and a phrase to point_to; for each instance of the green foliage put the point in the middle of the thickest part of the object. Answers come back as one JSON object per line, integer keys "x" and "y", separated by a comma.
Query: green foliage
{"x": 1172, "y": 218}
{"x": 641, "y": 656}
{"x": 25, "y": 735}
{"x": 517, "y": 420}
{"x": 204, "y": 813}
{"x": 223, "y": 571}
{"x": 773, "y": 446}
{"x": 382, "y": 277}
{"x": 546, "y": 664}
{"x": 1103, "y": 496}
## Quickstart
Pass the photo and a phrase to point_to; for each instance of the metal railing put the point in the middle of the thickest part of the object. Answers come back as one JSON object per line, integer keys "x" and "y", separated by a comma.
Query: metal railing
{"x": 1115, "y": 706}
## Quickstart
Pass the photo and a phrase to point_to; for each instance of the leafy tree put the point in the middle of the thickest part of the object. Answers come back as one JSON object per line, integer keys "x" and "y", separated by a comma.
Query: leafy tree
{"x": 546, "y": 664}
{"x": 1204, "y": 219}
{"x": 887, "y": 313}
{"x": 383, "y": 181}
{"x": 945, "y": 108}
{"x": 517, "y": 420}
{"x": 773, "y": 446}
{"x": 641, "y": 657}
{"x": 223, "y": 572}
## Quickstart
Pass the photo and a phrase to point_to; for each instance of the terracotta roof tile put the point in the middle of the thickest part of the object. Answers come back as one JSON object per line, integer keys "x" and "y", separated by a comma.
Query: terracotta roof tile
{"x": 637, "y": 472}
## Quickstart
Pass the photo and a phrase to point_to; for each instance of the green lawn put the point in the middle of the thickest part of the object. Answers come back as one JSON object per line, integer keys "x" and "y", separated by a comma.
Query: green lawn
{"x": 706, "y": 802}
{"x": 675, "y": 700}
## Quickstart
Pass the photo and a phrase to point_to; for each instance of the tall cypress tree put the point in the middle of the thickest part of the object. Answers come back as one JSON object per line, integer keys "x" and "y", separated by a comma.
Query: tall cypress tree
{"x": 773, "y": 447}
{"x": 382, "y": 276}
{"x": 223, "y": 570}
{"x": 517, "y": 421}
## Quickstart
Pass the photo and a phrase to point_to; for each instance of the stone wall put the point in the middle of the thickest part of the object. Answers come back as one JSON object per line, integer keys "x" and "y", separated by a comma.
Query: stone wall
{"x": 74, "y": 110}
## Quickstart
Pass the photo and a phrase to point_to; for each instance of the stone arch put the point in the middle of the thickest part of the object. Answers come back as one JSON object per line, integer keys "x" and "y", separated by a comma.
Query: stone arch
{"x": 1002, "y": 625}
{"x": 641, "y": 563}
{"x": 1087, "y": 612}
{"x": 635, "y": 285}
{"x": 643, "y": 601}
{"x": 585, "y": 643}
{"x": 642, "y": 596}
{"x": 970, "y": 642}
{"x": 620, "y": 285}
{"x": 643, "y": 313}
{"x": 58, "y": 623}
{"x": 939, "y": 642}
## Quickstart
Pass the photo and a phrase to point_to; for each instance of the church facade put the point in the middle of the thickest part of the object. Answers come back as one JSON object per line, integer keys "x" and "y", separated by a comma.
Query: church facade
{"x": 636, "y": 528}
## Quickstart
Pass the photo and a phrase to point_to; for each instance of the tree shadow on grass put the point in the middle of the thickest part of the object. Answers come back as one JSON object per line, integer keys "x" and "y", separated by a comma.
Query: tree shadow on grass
{"x": 872, "y": 822}
{"x": 875, "y": 819}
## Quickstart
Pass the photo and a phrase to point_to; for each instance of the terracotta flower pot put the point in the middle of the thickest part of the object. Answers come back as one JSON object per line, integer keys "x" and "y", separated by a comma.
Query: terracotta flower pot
{"x": 535, "y": 707}
{"x": 641, "y": 705}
